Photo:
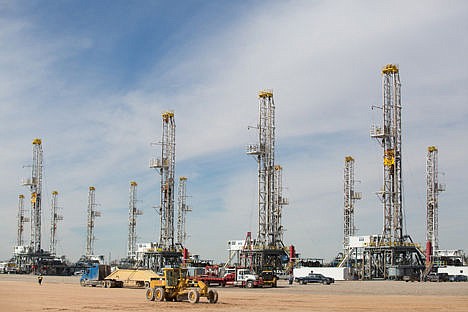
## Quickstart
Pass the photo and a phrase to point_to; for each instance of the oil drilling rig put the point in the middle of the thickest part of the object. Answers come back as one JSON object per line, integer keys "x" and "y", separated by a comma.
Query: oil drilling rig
{"x": 22, "y": 219}
{"x": 35, "y": 185}
{"x": 32, "y": 257}
{"x": 183, "y": 208}
{"x": 55, "y": 217}
{"x": 92, "y": 215}
{"x": 27, "y": 257}
{"x": 268, "y": 250}
{"x": 166, "y": 252}
{"x": 392, "y": 255}
{"x": 350, "y": 197}
{"x": 133, "y": 212}
{"x": 433, "y": 188}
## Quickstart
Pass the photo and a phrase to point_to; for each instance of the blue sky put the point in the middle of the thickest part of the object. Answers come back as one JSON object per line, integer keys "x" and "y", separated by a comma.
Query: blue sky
{"x": 92, "y": 78}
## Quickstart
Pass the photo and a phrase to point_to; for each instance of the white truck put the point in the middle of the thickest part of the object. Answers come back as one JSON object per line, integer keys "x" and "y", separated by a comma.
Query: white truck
{"x": 243, "y": 277}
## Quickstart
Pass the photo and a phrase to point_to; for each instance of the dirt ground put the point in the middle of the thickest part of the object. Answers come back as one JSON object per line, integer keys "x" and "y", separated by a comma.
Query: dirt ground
{"x": 22, "y": 293}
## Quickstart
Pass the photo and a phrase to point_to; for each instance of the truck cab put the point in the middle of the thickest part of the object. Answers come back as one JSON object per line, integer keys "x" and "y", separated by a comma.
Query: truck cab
{"x": 244, "y": 278}
{"x": 96, "y": 276}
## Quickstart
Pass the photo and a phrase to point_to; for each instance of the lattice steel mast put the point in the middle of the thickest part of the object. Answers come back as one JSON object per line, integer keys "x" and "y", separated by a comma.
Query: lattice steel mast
{"x": 21, "y": 220}
{"x": 166, "y": 166}
{"x": 433, "y": 188}
{"x": 133, "y": 212}
{"x": 54, "y": 218}
{"x": 350, "y": 197}
{"x": 279, "y": 202}
{"x": 391, "y": 255}
{"x": 35, "y": 186}
{"x": 183, "y": 208}
{"x": 265, "y": 152}
{"x": 389, "y": 136}
{"x": 92, "y": 214}
{"x": 269, "y": 248}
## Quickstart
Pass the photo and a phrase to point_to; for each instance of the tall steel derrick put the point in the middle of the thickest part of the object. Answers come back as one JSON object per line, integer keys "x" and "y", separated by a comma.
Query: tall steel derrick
{"x": 21, "y": 220}
{"x": 92, "y": 214}
{"x": 389, "y": 136}
{"x": 55, "y": 217}
{"x": 268, "y": 248}
{"x": 350, "y": 197}
{"x": 167, "y": 252}
{"x": 35, "y": 185}
{"x": 279, "y": 202}
{"x": 133, "y": 212}
{"x": 166, "y": 166}
{"x": 183, "y": 208}
{"x": 391, "y": 255}
{"x": 433, "y": 188}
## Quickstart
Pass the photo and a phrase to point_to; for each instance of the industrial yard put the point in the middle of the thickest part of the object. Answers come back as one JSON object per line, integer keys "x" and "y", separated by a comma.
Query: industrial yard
{"x": 65, "y": 294}
{"x": 291, "y": 185}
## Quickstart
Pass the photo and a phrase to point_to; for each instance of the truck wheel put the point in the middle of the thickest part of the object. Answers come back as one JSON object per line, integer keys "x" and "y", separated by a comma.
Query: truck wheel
{"x": 250, "y": 284}
{"x": 82, "y": 283}
{"x": 193, "y": 296}
{"x": 159, "y": 294}
{"x": 149, "y": 294}
{"x": 212, "y": 296}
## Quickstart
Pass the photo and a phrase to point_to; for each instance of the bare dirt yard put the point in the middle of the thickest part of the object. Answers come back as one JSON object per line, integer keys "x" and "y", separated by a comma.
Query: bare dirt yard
{"x": 23, "y": 293}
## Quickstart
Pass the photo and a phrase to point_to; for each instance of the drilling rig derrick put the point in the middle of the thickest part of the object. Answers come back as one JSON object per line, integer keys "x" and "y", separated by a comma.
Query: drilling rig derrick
{"x": 391, "y": 255}
{"x": 268, "y": 250}
{"x": 92, "y": 214}
{"x": 166, "y": 252}
{"x": 35, "y": 185}
{"x": 55, "y": 217}
{"x": 183, "y": 208}
{"x": 433, "y": 188}
{"x": 133, "y": 212}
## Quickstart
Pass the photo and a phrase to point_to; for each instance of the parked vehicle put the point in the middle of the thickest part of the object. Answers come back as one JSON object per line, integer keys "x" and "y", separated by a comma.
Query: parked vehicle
{"x": 96, "y": 276}
{"x": 458, "y": 278}
{"x": 314, "y": 278}
{"x": 243, "y": 278}
{"x": 437, "y": 277}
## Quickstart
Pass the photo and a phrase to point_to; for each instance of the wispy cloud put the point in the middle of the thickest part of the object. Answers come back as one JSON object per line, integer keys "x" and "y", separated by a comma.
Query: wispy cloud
{"x": 322, "y": 60}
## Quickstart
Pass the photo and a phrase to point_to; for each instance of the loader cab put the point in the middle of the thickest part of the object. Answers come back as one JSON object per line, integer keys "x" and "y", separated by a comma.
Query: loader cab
{"x": 174, "y": 275}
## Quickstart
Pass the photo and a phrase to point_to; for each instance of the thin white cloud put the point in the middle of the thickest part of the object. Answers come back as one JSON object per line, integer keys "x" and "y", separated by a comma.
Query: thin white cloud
{"x": 321, "y": 59}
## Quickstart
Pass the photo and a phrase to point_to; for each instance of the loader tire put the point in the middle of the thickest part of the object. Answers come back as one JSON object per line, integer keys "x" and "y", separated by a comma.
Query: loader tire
{"x": 193, "y": 296}
{"x": 159, "y": 294}
{"x": 212, "y": 296}
{"x": 149, "y": 294}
